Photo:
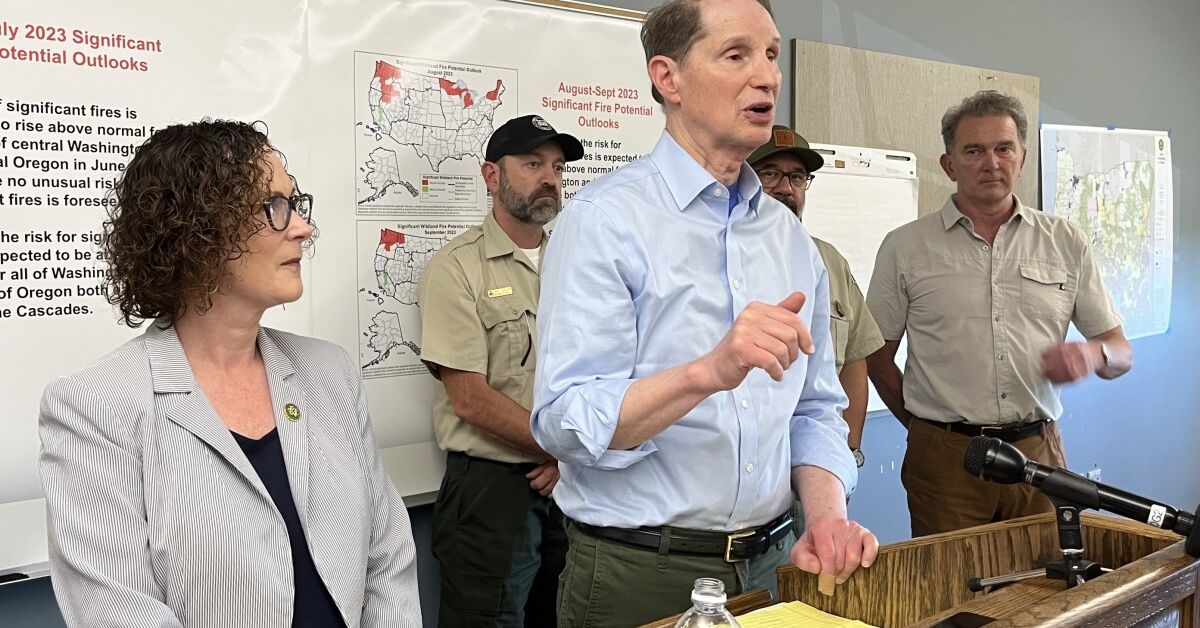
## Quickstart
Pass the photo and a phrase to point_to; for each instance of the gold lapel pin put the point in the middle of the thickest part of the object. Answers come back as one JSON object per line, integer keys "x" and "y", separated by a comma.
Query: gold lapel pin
{"x": 291, "y": 412}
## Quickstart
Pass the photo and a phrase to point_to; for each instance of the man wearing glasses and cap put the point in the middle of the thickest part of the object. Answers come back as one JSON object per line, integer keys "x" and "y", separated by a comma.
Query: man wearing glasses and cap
{"x": 785, "y": 166}
{"x": 496, "y": 533}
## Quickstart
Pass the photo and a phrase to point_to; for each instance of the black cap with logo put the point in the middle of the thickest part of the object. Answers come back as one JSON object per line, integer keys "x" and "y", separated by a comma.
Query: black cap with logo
{"x": 524, "y": 134}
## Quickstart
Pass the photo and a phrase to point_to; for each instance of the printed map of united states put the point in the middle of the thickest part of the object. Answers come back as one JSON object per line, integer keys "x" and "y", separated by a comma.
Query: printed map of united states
{"x": 441, "y": 119}
{"x": 399, "y": 262}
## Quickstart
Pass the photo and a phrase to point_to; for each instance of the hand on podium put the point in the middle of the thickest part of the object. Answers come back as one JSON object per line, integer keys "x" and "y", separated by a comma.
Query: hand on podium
{"x": 834, "y": 545}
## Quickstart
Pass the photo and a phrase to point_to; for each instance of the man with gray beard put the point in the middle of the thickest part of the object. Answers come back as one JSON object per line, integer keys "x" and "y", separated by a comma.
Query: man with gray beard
{"x": 496, "y": 533}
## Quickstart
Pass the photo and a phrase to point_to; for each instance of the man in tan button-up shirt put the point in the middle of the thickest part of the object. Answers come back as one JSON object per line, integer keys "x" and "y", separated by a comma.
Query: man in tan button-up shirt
{"x": 985, "y": 289}
{"x": 496, "y": 533}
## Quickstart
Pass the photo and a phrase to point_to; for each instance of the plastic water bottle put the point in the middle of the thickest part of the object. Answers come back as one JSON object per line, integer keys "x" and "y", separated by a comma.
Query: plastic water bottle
{"x": 708, "y": 606}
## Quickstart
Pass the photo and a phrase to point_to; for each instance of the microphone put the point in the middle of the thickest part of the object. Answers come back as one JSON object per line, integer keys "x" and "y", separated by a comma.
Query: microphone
{"x": 994, "y": 460}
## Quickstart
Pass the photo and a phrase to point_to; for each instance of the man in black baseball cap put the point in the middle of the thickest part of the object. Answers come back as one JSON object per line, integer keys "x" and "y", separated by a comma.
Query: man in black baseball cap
{"x": 497, "y": 534}
{"x": 523, "y": 170}
{"x": 523, "y": 134}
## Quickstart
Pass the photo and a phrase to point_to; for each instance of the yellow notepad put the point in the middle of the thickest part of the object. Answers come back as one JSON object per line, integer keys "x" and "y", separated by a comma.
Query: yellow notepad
{"x": 795, "y": 614}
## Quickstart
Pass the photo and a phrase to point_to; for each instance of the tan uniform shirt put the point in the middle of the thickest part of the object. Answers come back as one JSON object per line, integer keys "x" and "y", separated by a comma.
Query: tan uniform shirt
{"x": 478, "y": 299}
{"x": 855, "y": 334}
{"x": 979, "y": 316}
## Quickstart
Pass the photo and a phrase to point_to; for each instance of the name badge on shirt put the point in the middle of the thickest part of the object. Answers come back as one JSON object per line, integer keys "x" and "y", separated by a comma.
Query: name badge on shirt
{"x": 499, "y": 292}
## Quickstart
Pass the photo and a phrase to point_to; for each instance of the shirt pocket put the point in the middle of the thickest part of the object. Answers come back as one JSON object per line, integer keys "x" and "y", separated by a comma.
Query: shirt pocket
{"x": 509, "y": 326}
{"x": 1046, "y": 292}
{"x": 839, "y": 332}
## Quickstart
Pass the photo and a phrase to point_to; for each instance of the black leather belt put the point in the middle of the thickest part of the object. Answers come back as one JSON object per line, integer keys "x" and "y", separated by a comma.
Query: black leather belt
{"x": 1006, "y": 433}
{"x": 733, "y": 546}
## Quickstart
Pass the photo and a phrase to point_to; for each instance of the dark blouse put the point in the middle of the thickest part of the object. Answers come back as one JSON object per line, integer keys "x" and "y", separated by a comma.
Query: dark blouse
{"x": 313, "y": 606}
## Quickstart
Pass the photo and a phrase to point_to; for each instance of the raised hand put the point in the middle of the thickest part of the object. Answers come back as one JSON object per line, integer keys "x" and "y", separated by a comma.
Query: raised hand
{"x": 1070, "y": 361}
{"x": 769, "y": 337}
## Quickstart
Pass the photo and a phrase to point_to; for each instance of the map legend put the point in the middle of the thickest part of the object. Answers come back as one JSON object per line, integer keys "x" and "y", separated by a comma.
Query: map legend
{"x": 450, "y": 190}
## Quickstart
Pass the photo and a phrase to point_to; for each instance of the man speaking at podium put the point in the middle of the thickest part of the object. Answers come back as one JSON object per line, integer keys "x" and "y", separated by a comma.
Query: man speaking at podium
{"x": 985, "y": 289}
{"x": 685, "y": 377}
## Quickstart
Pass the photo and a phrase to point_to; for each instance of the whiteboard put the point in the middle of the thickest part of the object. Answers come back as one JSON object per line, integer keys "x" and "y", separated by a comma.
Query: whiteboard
{"x": 857, "y": 198}
{"x": 104, "y": 98}
{"x": 597, "y": 93}
{"x": 305, "y": 68}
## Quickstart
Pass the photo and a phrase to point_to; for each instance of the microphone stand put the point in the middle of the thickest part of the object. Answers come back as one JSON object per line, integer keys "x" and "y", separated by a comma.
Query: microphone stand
{"x": 992, "y": 460}
{"x": 1074, "y": 569}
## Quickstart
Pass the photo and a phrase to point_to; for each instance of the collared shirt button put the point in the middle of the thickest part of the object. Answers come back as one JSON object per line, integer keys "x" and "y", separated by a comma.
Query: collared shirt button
{"x": 737, "y": 285}
{"x": 1000, "y": 357}
{"x": 718, "y": 192}
{"x": 745, "y": 404}
{"x": 997, "y": 318}
{"x": 1004, "y": 395}
{"x": 986, "y": 247}
{"x": 749, "y": 467}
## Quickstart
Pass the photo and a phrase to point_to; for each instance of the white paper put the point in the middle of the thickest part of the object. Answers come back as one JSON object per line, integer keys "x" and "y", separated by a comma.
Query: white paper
{"x": 859, "y": 196}
{"x": 409, "y": 94}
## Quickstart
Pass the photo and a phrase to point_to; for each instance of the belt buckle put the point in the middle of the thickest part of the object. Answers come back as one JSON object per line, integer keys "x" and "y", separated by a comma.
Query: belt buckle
{"x": 730, "y": 538}
{"x": 983, "y": 429}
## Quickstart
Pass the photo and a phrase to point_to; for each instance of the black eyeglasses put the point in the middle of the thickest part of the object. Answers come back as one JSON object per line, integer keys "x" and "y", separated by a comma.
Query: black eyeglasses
{"x": 280, "y": 208}
{"x": 770, "y": 177}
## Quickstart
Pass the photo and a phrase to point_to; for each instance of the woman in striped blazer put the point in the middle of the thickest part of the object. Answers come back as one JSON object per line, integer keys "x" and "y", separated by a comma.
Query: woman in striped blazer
{"x": 213, "y": 472}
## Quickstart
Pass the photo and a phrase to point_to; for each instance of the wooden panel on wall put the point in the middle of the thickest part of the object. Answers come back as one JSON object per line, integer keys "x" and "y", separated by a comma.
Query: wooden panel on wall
{"x": 862, "y": 98}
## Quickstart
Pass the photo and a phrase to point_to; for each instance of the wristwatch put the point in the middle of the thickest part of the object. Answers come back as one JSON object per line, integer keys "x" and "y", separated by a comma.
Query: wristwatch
{"x": 859, "y": 458}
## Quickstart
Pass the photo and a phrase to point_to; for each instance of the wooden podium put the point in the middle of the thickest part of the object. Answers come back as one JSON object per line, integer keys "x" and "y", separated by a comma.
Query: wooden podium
{"x": 924, "y": 581}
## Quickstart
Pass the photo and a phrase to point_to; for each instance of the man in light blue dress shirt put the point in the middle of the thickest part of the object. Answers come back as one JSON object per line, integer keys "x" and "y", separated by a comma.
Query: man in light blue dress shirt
{"x": 686, "y": 377}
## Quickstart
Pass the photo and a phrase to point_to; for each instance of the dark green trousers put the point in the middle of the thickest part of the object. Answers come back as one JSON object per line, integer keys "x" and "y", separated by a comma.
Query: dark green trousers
{"x": 500, "y": 545}
{"x": 610, "y": 585}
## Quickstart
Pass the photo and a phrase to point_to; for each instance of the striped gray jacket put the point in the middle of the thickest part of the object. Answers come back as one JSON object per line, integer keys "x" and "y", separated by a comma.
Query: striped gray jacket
{"x": 157, "y": 518}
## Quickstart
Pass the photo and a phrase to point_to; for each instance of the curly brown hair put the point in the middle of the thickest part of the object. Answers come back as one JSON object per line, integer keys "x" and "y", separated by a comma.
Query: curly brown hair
{"x": 186, "y": 204}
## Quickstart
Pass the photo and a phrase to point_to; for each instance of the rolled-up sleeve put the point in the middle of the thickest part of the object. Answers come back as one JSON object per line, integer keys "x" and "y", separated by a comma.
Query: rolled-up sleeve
{"x": 584, "y": 369}
{"x": 818, "y": 433}
{"x": 1094, "y": 311}
{"x": 452, "y": 334}
{"x": 886, "y": 296}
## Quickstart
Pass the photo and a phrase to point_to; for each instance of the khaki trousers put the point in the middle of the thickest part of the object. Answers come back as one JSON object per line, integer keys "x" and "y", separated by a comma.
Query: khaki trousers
{"x": 942, "y": 496}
